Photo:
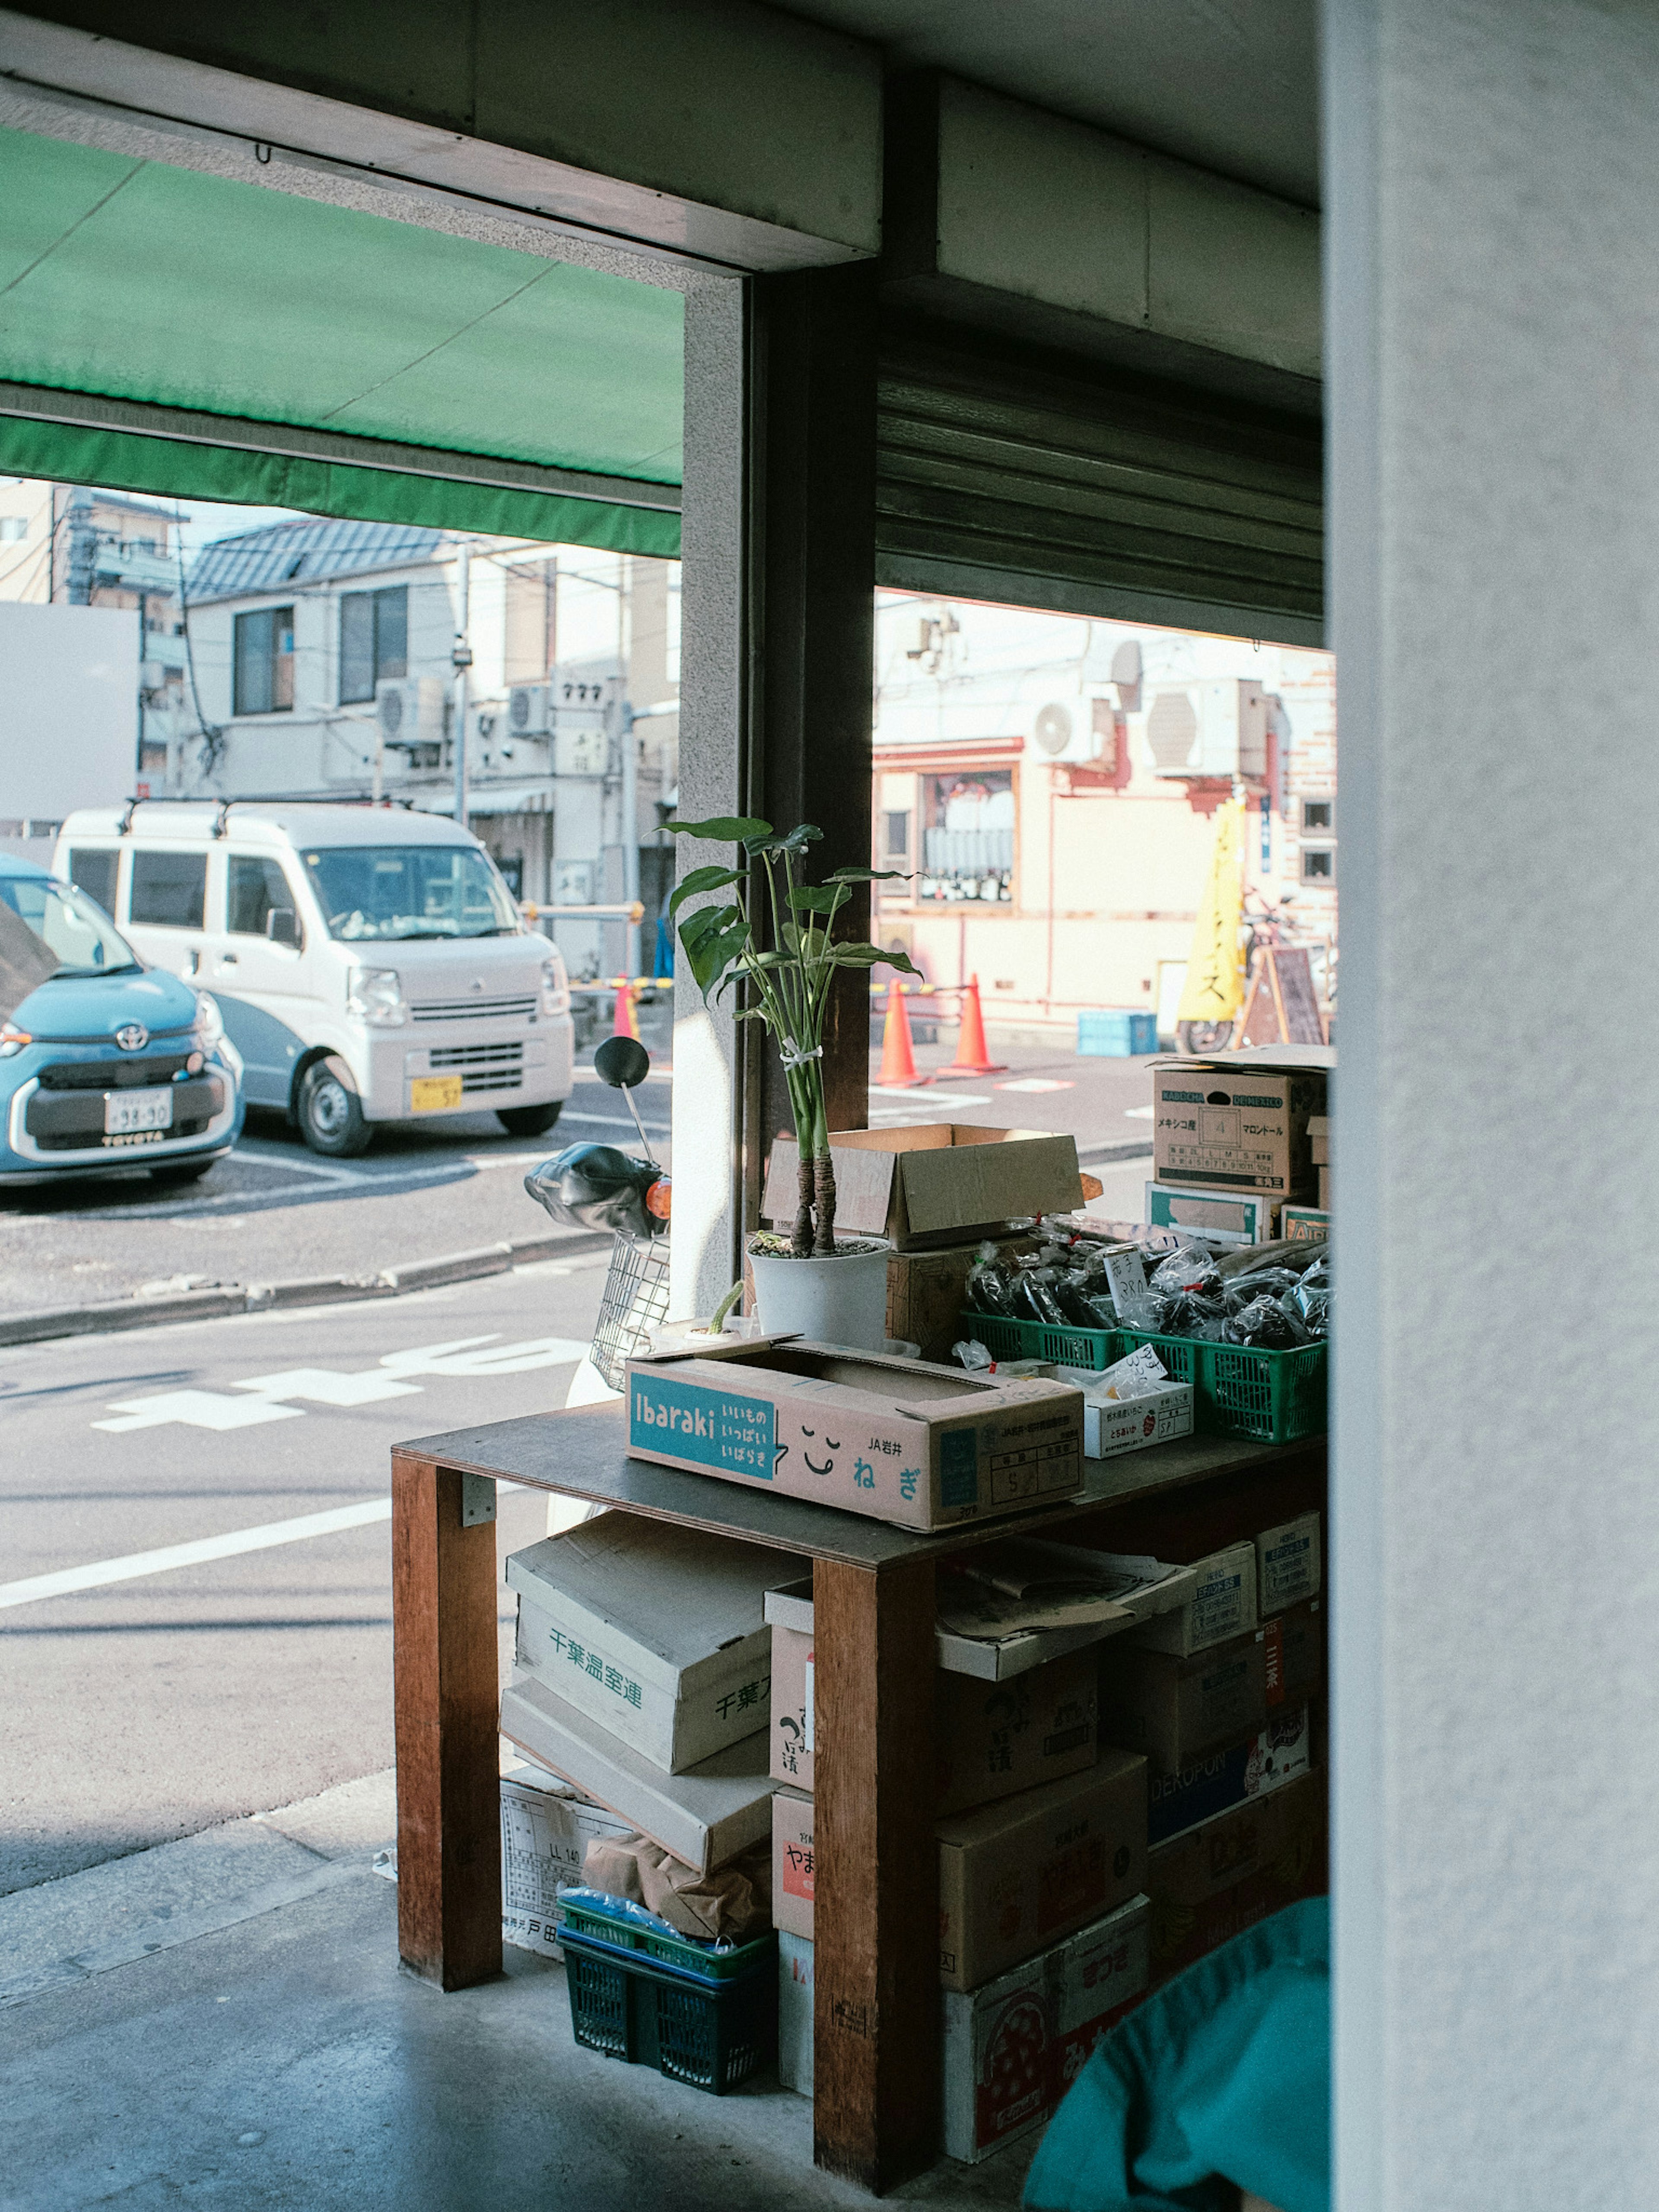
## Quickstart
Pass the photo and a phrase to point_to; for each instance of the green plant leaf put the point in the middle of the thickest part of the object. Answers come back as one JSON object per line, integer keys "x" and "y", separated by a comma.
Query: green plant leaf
{"x": 725, "y": 829}
{"x": 705, "y": 921}
{"x": 869, "y": 876}
{"x": 829, "y": 900}
{"x": 704, "y": 880}
{"x": 713, "y": 955}
{"x": 871, "y": 955}
{"x": 794, "y": 840}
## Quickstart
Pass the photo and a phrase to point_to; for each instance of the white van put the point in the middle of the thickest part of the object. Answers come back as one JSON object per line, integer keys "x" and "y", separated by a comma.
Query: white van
{"x": 370, "y": 963}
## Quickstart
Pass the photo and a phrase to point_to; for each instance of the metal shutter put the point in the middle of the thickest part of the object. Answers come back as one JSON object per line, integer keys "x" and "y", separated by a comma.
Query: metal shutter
{"x": 1094, "y": 492}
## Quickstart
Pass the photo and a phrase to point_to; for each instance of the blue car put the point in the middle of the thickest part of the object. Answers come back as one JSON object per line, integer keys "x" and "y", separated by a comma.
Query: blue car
{"x": 107, "y": 1063}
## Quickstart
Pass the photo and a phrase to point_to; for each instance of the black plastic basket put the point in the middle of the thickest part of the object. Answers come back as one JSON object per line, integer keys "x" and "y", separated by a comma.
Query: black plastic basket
{"x": 710, "y": 2034}
{"x": 635, "y": 1301}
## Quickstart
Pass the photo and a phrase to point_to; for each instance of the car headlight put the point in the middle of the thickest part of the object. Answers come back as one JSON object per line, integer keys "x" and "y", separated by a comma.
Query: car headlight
{"x": 556, "y": 990}
{"x": 376, "y": 996}
{"x": 209, "y": 1028}
{"x": 12, "y": 1039}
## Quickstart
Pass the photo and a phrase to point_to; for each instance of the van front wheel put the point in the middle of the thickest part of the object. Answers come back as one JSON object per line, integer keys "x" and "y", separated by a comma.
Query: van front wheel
{"x": 331, "y": 1113}
{"x": 529, "y": 1121}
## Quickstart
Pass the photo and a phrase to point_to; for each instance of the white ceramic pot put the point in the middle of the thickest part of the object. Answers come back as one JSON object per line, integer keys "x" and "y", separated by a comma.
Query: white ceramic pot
{"x": 839, "y": 1301}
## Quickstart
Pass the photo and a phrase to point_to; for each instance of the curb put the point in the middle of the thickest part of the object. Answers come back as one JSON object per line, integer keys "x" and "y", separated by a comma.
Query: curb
{"x": 300, "y": 1290}
{"x": 1105, "y": 1156}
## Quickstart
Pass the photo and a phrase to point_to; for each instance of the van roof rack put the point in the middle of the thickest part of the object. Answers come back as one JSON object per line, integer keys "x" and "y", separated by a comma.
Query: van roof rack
{"x": 251, "y": 798}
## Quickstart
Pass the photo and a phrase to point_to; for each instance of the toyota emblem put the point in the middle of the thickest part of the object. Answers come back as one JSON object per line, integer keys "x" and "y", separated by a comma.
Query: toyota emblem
{"x": 133, "y": 1038}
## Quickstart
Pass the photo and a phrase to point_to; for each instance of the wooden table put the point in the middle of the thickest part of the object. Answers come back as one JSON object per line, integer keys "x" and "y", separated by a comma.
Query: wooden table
{"x": 876, "y": 2020}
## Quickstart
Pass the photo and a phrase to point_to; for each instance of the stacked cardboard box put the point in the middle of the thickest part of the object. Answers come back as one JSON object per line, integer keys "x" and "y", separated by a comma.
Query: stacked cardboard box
{"x": 1236, "y": 1140}
{"x": 643, "y": 1678}
{"x": 1044, "y": 1926}
{"x": 1222, "y": 1697}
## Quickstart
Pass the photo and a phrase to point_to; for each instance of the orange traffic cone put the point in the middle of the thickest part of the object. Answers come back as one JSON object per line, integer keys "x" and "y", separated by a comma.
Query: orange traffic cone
{"x": 973, "y": 1057}
{"x": 898, "y": 1060}
{"x": 627, "y": 1022}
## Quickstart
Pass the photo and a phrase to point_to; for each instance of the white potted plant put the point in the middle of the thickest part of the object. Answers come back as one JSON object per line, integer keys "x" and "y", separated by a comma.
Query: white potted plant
{"x": 809, "y": 1283}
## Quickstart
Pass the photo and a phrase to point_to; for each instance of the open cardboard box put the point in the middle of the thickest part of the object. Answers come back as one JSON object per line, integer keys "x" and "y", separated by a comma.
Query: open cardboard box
{"x": 896, "y": 1440}
{"x": 938, "y": 1183}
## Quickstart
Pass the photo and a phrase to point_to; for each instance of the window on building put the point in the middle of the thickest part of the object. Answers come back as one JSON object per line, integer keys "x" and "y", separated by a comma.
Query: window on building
{"x": 94, "y": 873}
{"x": 374, "y": 639}
{"x": 265, "y": 662}
{"x": 898, "y": 835}
{"x": 1318, "y": 864}
{"x": 255, "y": 888}
{"x": 967, "y": 836}
{"x": 13, "y": 527}
{"x": 168, "y": 889}
{"x": 1319, "y": 818}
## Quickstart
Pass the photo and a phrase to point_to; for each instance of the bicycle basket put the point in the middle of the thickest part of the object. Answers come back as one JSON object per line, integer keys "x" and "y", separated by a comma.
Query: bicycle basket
{"x": 635, "y": 1299}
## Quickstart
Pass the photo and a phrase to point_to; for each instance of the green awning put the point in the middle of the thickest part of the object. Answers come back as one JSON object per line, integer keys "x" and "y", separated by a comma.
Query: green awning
{"x": 475, "y": 378}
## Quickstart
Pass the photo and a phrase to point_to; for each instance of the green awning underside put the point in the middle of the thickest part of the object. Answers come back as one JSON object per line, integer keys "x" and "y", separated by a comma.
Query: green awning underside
{"x": 136, "y": 281}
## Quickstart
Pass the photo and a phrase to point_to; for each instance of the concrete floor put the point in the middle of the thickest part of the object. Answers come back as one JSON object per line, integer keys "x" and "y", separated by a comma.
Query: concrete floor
{"x": 222, "y": 2023}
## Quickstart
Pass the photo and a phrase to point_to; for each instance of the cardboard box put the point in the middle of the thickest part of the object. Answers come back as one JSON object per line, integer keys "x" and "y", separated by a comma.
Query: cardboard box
{"x": 1223, "y": 1876}
{"x": 1243, "y": 1126}
{"x": 1280, "y": 1753}
{"x": 658, "y": 1632}
{"x": 703, "y": 1817}
{"x": 792, "y": 1863}
{"x": 936, "y": 1184}
{"x": 1104, "y": 1973}
{"x": 1114, "y": 1425}
{"x": 792, "y": 1708}
{"x": 923, "y": 1447}
{"x": 995, "y": 1739}
{"x": 1288, "y": 1562}
{"x": 1011, "y": 2048}
{"x": 1219, "y": 1217}
{"x": 997, "y": 1658}
{"x": 1179, "y": 1711}
{"x": 1015, "y": 1877}
{"x": 795, "y": 2013}
{"x": 1319, "y": 1139}
{"x": 546, "y": 1828}
{"x": 1305, "y": 1225}
{"x": 927, "y": 1290}
{"x": 1223, "y": 1604}
{"x": 1293, "y": 1655}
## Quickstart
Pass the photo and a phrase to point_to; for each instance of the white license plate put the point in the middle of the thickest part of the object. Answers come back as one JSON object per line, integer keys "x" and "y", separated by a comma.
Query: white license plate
{"x": 127, "y": 1110}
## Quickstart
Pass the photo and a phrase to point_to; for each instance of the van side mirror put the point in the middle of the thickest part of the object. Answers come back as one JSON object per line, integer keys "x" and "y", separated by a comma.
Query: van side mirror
{"x": 282, "y": 926}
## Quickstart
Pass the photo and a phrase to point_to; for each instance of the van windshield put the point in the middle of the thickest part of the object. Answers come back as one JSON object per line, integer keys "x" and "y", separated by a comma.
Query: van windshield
{"x": 386, "y": 892}
{"x": 86, "y": 942}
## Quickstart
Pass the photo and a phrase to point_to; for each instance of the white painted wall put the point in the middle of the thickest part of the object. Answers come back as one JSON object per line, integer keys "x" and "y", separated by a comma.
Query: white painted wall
{"x": 1493, "y": 220}
{"x": 69, "y": 707}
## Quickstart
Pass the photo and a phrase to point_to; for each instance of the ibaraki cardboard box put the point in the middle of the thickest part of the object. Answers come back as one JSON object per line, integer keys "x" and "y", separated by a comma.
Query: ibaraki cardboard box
{"x": 1245, "y": 1127}
{"x": 922, "y": 1447}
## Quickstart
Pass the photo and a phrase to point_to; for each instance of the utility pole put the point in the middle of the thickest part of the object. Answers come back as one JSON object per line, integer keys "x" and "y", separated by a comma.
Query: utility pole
{"x": 461, "y": 656}
{"x": 82, "y": 546}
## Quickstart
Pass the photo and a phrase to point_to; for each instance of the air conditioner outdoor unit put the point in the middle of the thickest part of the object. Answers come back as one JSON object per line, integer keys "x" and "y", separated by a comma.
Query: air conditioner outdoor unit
{"x": 410, "y": 709}
{"x": 1216, "y": 728}
{"x": 1064, "y": 730}
{"x": 529, "y": 709}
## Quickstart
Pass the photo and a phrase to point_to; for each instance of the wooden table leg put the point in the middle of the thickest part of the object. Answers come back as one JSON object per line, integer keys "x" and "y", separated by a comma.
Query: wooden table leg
{"x": 875, "y": 2007}
{"x": 447, "y": 1714}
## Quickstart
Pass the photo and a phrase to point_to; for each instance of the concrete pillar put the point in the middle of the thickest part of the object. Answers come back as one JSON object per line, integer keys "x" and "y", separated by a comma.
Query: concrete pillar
{"x": 1492, "y": 263}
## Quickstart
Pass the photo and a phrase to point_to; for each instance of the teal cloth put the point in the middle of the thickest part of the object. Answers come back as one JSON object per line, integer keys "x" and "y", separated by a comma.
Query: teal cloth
{"x": 1221, "y": 2081}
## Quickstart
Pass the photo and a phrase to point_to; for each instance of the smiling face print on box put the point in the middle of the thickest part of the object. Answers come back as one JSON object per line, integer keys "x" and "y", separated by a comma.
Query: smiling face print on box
{"x": 813, "y": 1448}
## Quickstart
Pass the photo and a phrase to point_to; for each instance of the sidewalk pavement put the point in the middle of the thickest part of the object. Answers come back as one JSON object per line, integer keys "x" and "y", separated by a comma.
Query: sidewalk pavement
{"x": 222, "y": 2021}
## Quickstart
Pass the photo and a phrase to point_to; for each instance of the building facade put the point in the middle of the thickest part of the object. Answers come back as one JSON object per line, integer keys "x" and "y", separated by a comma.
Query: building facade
{"x": 1047, "y": 787}
{"x": 322, "y": 664}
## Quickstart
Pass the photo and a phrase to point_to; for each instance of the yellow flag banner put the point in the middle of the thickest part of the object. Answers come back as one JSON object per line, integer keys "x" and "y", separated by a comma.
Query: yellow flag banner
{"x": 1214, "y": 990}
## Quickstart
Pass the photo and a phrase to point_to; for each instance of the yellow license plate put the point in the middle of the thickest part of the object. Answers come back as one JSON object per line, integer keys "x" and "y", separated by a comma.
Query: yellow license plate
{"x": 435, "y": 1094}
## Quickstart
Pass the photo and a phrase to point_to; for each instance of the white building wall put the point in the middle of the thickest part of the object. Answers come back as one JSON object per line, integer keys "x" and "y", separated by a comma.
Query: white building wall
{"x": 1492, "y": 216}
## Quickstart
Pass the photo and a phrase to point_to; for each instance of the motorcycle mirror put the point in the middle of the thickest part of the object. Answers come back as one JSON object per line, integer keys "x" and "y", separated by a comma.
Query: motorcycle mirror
{"x": 622, "y": 1063}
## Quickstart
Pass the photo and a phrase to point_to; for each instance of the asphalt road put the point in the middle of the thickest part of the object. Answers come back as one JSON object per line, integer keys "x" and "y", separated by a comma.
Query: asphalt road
{"x": 147, "y": 1707}
{"x": 273, "y": 1211}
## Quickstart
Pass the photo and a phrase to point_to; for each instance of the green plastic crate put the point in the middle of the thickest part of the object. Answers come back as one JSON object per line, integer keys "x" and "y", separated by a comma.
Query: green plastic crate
{"x": 1034, "y": 1340}
{"x": 668, "y": 1950}
{"x": 708, "y": 2034}
{"x": 1274, "y": 1397}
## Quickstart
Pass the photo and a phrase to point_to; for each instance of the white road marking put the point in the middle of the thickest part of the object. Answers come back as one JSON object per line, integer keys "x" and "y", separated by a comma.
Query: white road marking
{"x": 1036, "y": 1082}
{"x": 1137, "y": 1112}
{"x": 331, "y": 1386}
{"x": 69, "y": 1579}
